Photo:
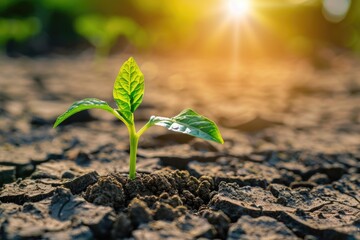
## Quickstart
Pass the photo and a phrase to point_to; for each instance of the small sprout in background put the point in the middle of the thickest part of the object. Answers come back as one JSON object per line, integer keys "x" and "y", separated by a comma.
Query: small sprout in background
{"x": 128, "y": 94}
{"x": 18, "y": 29}
{"x": 103, "y": 32}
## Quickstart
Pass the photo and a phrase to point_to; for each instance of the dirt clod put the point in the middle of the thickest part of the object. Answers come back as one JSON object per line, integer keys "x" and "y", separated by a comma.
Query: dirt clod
{"x": 219, "y": 220}
{"x": 260, "y": 228}
{"x": 122, "y": 227}
{"x": 107, "y": 192}
{"x": 139, "y": 212}
{"x": 164, "y": 212}
{"x": 79, "y": 184}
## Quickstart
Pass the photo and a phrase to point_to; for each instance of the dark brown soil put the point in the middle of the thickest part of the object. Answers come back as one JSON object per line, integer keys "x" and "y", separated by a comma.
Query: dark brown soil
{"x": 289, "y": 168}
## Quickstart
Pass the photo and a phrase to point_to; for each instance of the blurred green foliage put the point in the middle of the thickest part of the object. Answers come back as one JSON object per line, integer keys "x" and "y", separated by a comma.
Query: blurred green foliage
{"x": 18, "y": 29}
{"x": 42, "y": 26}
{"x": 103, "y": 32}
{"x": 351, "y": 36}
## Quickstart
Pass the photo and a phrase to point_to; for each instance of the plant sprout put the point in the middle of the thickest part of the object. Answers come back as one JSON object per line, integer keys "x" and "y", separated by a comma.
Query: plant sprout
{"x": 128, "y": 94}
{"x": 103, "y": 32}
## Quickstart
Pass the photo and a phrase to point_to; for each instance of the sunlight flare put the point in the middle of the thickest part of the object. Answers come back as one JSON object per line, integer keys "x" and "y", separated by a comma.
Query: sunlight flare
{"x": 238, "y": 8}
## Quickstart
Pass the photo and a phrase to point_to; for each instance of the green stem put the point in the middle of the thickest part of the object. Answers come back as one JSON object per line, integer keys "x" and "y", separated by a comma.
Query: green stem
{"x": 144, "y": 128}
{"x": 134, "y": 138}
{"x": 116, "y": 114}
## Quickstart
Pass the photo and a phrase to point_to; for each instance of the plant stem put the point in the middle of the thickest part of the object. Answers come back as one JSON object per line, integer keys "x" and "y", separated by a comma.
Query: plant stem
{"x": 134, "y": 138}
{"x": 144, "y": 128}
{"x": 116, "y": 114}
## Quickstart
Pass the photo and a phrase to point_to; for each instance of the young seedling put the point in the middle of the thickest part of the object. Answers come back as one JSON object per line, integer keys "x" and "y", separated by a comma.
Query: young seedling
{"x": 128, "y": 94}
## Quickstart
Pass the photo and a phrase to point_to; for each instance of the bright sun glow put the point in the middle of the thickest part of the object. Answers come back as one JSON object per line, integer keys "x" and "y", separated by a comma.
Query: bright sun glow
{"x": 238, "y": 8}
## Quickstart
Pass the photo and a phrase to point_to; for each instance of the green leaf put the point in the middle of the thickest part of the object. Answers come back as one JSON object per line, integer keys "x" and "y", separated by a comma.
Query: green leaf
{"x": 129, "y": 88}
{"x": 190, "y": 122}
{"x": 87, "y": 103}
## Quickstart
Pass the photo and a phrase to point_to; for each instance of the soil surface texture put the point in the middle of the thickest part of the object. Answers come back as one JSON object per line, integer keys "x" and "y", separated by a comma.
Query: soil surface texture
{"x": 289, "y": 168}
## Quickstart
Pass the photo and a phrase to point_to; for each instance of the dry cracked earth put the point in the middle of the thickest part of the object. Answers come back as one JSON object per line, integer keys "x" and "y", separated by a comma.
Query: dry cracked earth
{"x": 289, "y": 168}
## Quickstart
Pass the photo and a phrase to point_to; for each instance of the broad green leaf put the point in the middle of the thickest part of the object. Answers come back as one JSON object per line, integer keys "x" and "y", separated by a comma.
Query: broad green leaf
{"x": 129, "y": 88}
{"x": 190, "y": 122}
{"x": 87, "y": 103}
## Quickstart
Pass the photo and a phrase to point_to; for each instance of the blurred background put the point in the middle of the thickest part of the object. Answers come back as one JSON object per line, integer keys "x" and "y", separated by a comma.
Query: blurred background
{"x": 251, "y": 65}
{"x": 254, "y": 28}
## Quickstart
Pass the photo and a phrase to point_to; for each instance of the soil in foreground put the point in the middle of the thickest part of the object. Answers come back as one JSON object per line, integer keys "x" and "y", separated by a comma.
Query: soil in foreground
{"x": 289, "y": 168}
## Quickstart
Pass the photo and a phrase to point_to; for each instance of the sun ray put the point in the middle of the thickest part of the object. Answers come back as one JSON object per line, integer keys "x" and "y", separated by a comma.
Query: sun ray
{"x": 238, "y": 8}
